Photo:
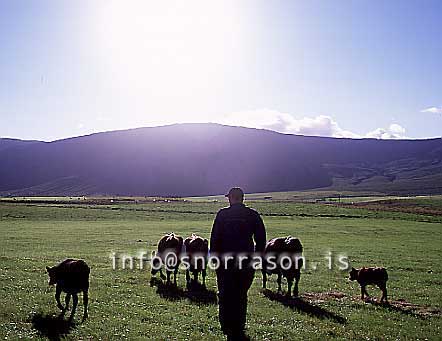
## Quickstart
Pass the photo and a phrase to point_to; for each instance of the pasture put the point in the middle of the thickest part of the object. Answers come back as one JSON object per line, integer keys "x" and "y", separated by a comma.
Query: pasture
{"x": 126, "y": 304}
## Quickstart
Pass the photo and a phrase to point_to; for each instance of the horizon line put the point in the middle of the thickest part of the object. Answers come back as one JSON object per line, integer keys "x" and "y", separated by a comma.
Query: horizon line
{"x": 217, "y": 124}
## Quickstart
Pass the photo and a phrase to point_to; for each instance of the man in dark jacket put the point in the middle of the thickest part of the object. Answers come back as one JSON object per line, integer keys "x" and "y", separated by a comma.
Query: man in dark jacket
{"x": 234, "y": 230}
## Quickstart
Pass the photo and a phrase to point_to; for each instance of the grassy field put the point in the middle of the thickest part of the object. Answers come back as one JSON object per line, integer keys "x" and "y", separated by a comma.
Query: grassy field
{"x": 124, "y": 303}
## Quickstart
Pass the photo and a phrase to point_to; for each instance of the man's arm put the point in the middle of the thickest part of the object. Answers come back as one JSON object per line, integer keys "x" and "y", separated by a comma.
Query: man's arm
{"x": 215, "y": 240}
{"x": 260, "y": 234}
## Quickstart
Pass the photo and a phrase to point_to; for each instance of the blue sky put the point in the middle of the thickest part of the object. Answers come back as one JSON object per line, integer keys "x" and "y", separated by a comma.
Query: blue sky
{"x": 344, "y": 69}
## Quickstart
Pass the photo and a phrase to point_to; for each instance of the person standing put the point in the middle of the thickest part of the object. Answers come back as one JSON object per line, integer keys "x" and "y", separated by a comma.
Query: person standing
{"x": 234, "y": 232}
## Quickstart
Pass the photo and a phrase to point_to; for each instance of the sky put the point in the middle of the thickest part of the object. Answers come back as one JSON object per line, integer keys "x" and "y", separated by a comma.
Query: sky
{"x": 327, "y": 68}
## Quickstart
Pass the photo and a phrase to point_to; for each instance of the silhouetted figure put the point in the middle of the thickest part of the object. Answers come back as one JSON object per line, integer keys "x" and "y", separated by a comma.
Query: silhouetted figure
{"x": 169, "y": 253}
{"x": 279, "y": 247}
{"x": 234, "y": 230}
{"x": 196, "y": 246}
{"x": 371, "y": 276}
{"x": 70, "y": 276}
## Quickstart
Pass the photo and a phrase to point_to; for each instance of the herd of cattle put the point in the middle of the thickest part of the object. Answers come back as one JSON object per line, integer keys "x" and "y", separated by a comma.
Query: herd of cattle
{"x": 72, "y": 276}
{"x": 173, "y": 246}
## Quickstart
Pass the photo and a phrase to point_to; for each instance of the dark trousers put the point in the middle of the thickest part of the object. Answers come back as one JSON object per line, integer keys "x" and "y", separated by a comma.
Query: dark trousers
{"x": 233, "y": 285}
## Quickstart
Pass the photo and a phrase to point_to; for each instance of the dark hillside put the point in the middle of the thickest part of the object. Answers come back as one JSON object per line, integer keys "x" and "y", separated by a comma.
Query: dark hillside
{"x": 202, "y": 159}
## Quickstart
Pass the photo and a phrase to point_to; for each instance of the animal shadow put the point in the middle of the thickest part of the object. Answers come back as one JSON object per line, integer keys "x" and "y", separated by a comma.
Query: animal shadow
{"x": 50, "y": 326}
{"x": 403, "y": 307}
{"x": 196, "y": 292}
{"x": 303, "y": 306}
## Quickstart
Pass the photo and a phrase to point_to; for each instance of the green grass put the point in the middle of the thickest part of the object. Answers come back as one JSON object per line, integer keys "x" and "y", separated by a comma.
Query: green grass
{"x": 306, "y": 195}
{"x": 123, "y": 304}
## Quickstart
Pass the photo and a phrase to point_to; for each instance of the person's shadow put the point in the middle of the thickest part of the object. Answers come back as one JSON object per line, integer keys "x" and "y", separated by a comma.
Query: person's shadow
{"x": 303, "y": 306}
{"x": 196, "y": 293}
{"x": 50, "y": 326}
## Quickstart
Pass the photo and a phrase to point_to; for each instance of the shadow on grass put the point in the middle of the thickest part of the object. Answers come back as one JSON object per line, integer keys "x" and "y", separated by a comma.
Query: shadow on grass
{"x": 52, "y": 327}
{"x": 404, "y": 307}
{"x": 196, "y": 293}
{"x": 303, "y": 306}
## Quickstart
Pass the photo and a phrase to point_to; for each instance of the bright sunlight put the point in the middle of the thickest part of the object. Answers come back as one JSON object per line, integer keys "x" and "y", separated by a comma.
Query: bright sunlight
{"x": 168, "y": 50}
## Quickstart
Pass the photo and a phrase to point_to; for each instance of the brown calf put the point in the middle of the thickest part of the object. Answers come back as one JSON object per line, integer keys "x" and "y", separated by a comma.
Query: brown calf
{"x": 169, "y": 251}
{"x": 70, "y": 276}
{"x": 197, "y": 249}
{"x": 370, "y": 276}
{"x": 278, "y": 248}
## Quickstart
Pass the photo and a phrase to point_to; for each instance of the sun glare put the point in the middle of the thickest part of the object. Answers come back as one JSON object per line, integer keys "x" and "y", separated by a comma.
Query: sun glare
{"x": 168, "y": 49}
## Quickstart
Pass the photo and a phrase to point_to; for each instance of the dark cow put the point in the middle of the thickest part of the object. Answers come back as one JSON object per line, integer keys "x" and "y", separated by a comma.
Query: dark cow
{"x": 275, "y": 261}
{"x": 371, "y": 276}
{"x": 197, "y": 249}
{"x": 70, "y": 276}
{"x": 169, "y": 251}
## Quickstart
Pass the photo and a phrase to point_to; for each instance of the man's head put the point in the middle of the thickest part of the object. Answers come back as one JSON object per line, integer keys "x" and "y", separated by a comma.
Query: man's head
{"x": 235, "y": 195}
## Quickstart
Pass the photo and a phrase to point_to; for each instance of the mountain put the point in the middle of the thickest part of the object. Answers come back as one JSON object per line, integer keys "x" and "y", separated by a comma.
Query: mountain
{"x": 204, "y": 159}
{"x": 8, "y": 143}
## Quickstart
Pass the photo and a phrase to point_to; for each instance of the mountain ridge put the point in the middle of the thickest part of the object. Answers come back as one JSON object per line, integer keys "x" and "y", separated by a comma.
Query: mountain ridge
{"x": 220, "y": 125}
{"x": 203, "y": 159}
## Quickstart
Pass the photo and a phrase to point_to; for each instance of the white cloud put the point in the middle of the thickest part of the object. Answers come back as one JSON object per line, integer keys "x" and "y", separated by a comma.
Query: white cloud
{"x": 394, "y": 131}
{"x": 321, "y": 125}
{"x": 433, "y": 110}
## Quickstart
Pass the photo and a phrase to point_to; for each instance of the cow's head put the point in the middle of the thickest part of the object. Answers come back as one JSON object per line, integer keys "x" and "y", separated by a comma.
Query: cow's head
{"x": 354, "y": 274}
{"x": 293, "y": 243}
{"x": 52, "y": 275}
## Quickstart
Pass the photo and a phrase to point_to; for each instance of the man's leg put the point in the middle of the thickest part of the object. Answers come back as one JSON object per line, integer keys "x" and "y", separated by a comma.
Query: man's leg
{"x": 226, "y": 298}
{"x": 245, "y": 280}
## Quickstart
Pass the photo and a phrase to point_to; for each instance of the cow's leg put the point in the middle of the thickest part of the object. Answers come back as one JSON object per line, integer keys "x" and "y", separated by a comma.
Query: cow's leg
{"x": 195, "y": 276}
{"x": 66, "y": 301}
{"x": 74, "y": 306}
{"x": 57, "y": 297}
{"x": 363, "y": 292}
{"x": 85, "y": 303}
{"x": 188, "y": 277}
{"x": 203, "y": 274}
{"x": 264, "y": 279}
{"x": 296, "y": 289}
{"x": 279, "y": 280}
{"x": 383, "y": 287}
{"x": 175, "y": 272}
{"x": 289, "y": 286}
{"x": 168, "y": 273}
